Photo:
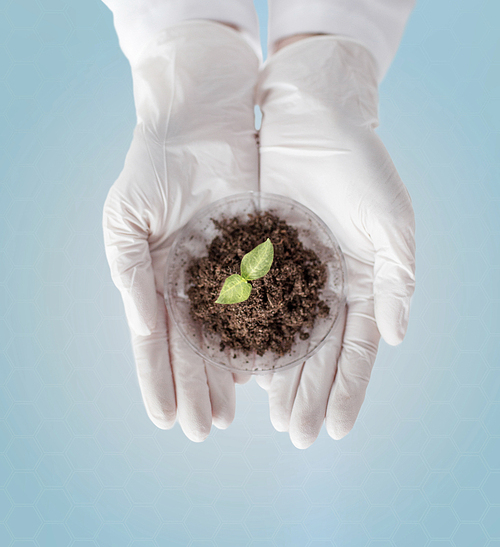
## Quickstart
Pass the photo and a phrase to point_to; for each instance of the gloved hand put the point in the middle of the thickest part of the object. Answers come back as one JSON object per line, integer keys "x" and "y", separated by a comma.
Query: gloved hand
{"x": 194, "y": 143}
{"x": 319, "y": 100}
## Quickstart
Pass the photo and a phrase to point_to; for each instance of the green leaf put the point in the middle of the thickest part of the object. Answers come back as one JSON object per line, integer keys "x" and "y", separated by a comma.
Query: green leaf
{"x": 234, "y": 290}
{"x": 257, "y": 262}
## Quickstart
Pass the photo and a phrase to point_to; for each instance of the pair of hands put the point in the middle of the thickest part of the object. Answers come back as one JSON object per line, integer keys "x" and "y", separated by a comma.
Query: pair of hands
{"x": 195, "y": 89}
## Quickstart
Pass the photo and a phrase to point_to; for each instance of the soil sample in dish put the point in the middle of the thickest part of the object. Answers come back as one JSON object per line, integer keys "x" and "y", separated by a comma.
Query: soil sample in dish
{"x": 282, "y": 304}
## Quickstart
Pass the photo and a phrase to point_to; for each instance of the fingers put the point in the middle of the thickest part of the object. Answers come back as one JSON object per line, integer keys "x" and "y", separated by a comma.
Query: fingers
{"x": 394, "y": 270}
{"x": 222, "y": 395}
{"x": 154, "y": 372}
{"x": 240, "y": 378}
{"x": 127, "y": 251}
{"x": 355, "y": 364}
{"x": 202, "y": 394}
{"x": 281, "y": 393}
{"x": 205, "y": 394}
{"x": 298, "y": 396}
{"x": 194, "y": 408}
{"x": 264, "y": 380}
{"x": 309, "y": 408}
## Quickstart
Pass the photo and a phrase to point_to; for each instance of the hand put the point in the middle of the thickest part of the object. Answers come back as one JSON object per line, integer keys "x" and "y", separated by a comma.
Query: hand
{"x": 194, "y": 143}
{"x": 319, "y": 100}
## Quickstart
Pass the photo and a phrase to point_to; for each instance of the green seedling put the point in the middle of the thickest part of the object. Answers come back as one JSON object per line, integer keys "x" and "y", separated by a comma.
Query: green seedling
{"x": 254, "y": 265}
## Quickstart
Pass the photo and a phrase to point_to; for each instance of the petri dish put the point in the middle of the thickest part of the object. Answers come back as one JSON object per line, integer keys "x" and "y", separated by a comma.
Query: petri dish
{"x": 192, "y": 241}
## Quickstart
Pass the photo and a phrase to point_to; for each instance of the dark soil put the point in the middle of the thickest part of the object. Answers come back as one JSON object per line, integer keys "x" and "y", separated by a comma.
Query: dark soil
{"x": 282, "y": 303}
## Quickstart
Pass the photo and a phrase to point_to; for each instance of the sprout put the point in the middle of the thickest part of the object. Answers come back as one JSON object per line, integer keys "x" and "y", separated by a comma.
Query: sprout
{"x": 254, "y": 265}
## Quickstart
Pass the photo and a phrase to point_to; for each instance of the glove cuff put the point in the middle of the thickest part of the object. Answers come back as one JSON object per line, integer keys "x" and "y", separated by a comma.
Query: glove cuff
{"x": 193, "y": 77}
{"x": 378, "y": 24}
{"x": 320, "y": 77}
{"x": 138, "y": 22}
{"x": 201, "y": 30}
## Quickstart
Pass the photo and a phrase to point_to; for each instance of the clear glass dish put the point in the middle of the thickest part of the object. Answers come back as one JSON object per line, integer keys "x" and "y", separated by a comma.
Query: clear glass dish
{"x": 192, "y": 242}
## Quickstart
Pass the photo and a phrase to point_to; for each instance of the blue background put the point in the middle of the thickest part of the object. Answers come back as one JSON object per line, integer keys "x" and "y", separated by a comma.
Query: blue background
{"x": 81, "y": 465}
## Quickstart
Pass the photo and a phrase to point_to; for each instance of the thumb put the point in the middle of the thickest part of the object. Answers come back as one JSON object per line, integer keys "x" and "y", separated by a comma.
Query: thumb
{"x": 394, "y": 272}
{"x": 127, "y": 251}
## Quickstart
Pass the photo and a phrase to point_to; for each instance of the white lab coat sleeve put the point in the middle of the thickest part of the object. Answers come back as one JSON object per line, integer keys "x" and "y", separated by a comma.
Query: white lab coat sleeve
{"x": 377, "y": 24}
{"x": 137, "y": 22}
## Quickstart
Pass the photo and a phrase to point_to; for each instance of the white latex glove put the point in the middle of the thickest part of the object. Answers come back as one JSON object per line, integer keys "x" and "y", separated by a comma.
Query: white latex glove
{"x": 319, "y": 101}
{"x": 194, "y": 143}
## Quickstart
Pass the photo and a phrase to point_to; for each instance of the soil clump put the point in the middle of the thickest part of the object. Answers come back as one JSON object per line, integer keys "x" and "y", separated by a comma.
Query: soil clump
{"x": 283, "y": 303}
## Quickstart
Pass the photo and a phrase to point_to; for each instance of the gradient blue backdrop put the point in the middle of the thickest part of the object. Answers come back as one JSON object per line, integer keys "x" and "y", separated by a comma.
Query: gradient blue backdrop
{"x": 81, "y": 465}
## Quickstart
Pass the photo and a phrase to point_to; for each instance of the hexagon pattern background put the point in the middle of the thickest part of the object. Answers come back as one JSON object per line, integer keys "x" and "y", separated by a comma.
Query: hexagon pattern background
{"x": 80, "y": 463}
